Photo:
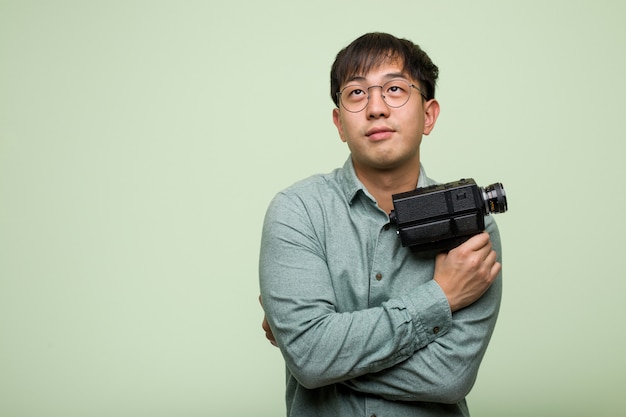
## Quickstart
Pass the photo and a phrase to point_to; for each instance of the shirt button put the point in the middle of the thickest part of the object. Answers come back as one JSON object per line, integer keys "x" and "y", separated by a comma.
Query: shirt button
{"x": 387, "y": 226}
{"x": 379, "y": 276}
{"x": 436, "y": 329}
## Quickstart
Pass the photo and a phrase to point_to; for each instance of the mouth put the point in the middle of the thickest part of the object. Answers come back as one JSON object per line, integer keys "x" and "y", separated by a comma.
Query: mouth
{"x": 379, "y": 133}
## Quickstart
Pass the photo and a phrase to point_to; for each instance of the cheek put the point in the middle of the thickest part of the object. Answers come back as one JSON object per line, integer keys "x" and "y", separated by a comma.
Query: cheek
{"x": 347, "y": 129}
{"x": 414, "y": 126}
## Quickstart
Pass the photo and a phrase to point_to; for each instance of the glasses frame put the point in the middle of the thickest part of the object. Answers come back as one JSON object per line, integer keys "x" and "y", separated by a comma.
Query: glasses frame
{"x": 381, "y": 93}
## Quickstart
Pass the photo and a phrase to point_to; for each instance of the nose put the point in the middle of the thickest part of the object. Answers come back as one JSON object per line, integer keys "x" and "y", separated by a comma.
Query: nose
{"x": 376, "y": 106}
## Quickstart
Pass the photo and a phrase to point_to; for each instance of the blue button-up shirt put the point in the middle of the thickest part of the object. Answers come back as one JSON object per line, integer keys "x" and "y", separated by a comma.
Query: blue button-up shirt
{"x": 362, "y": 326}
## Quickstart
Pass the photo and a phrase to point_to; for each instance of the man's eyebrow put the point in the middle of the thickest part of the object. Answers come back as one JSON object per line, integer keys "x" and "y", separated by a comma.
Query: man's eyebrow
{"x": 388, "y": 76}
{"x": 395, "y": 75}
{"x": 355, "y": 78}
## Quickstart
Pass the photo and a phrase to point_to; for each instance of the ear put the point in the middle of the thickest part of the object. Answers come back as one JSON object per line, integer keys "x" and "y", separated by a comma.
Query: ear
{"x": 431, "y": 112}
{"x": 338, "y": 123}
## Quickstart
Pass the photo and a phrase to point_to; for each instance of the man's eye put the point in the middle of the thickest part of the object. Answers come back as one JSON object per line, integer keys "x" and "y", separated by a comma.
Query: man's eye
{"x": 395, "y": 89}
{"x": 357, "y": 92}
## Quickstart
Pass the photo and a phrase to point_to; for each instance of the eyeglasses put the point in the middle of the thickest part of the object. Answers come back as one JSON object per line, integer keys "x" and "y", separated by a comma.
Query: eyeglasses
{"x": 395, "y": 93}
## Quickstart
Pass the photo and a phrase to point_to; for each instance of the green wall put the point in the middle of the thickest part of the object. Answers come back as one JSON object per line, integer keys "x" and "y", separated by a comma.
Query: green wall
{"x": 141, "y": 141}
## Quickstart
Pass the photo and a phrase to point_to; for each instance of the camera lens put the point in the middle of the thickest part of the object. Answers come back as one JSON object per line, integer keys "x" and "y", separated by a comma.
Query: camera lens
{"x": 495, "y": 198}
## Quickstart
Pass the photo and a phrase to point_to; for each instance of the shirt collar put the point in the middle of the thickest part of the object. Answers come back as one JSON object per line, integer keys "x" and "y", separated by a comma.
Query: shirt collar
{"x": 352, "y": 185}
{"x": 350, "y": 182}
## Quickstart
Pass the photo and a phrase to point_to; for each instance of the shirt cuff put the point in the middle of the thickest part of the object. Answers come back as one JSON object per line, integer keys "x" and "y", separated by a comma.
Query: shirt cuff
{"x": 430, "y": 312}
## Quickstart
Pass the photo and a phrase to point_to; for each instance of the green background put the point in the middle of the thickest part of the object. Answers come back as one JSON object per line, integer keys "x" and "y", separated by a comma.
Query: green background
{"x": 141, "y": 141}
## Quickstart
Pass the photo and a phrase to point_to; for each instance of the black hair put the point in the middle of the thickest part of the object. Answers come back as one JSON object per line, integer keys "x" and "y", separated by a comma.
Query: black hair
{"x": 373, "y": 49}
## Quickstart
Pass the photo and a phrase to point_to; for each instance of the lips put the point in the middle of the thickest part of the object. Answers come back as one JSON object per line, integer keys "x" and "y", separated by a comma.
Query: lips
{"x": 379, "y": 133}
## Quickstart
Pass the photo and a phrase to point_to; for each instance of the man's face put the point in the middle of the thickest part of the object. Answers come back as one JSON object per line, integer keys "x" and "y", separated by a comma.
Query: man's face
{"x": 382, "y": 137}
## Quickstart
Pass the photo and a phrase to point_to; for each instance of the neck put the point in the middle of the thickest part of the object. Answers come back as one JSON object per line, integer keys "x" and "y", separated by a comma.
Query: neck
{"x": 383, "y": 184}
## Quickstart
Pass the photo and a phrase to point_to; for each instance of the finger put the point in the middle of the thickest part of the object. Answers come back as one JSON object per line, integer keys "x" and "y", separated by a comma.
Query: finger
{"x": 491, "y": 257}
{"x": 488, "y": 254}
{"x": 478, "y": 241}
{"x": 495, "y": 269}
{"x": 473, "y": 244}
{"x": 269, "y": 335}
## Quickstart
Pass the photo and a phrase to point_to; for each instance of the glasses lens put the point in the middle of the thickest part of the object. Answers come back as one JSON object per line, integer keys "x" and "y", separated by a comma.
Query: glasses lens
{"x": 354, "y": 98}
{"x": 396, "y": 93}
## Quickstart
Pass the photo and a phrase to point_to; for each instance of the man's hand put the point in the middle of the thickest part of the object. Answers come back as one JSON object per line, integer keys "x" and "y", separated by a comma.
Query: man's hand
{"x": 467, "y": 271}
{"x": 266, "y": 326}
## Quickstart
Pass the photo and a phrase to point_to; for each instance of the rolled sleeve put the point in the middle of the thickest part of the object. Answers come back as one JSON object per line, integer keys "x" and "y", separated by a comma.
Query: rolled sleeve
{"x": 430, "y": 312}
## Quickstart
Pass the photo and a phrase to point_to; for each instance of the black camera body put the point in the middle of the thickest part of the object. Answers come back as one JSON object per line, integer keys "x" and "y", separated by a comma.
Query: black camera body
{"x": 441, "y": 217}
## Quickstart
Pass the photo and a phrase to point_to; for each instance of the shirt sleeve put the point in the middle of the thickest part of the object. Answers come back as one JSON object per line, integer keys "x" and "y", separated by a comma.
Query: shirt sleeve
{"x": 446, "y": 369}
{"x": 321, "y": 345}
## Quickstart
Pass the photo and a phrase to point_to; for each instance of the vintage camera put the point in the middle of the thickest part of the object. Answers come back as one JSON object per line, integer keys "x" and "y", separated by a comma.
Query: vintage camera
{"x": 441, "y": 217}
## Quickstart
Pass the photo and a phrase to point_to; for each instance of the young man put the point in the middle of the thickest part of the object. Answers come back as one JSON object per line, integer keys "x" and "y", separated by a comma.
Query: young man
{"x": 366, "y": 326}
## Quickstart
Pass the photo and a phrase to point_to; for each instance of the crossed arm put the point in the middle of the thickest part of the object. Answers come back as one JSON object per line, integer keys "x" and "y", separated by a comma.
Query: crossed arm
{"x": 389, "y": 350}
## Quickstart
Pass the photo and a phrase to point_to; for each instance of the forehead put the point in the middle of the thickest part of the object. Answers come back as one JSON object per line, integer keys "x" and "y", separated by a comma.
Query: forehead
{"x": 380, "y": 73}
{"x": 377, "y": 68}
